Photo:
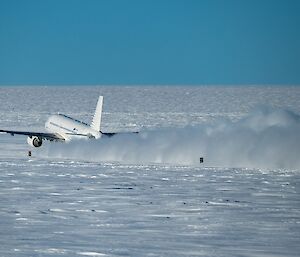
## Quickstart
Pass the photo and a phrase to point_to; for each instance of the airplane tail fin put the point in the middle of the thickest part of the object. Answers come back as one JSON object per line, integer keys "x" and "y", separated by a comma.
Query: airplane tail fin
{"x": 96, "y": 122}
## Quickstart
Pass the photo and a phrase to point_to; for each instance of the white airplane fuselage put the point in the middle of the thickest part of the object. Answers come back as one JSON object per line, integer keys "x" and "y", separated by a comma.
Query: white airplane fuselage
{"x": 63, "y": 128}
{"x": 69, "y": 128}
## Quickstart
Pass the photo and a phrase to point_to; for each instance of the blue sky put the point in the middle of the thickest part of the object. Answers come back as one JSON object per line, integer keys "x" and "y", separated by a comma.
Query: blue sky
{"x": 136, "y": 42}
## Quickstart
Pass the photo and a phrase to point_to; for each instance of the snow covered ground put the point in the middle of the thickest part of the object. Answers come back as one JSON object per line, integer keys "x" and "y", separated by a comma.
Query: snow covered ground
{"x": 147, "y": 194}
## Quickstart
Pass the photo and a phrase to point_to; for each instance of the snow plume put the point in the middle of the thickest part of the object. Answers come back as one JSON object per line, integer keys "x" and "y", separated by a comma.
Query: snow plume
{"x": 267, "y": 138}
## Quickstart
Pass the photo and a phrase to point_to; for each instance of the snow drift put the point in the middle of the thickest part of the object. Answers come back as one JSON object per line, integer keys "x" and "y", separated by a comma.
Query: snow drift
{"x": 267, "y": 138}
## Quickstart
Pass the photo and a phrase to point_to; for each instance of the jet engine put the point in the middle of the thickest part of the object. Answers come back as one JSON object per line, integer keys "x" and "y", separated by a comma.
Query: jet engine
{"x": 34, "y": 141}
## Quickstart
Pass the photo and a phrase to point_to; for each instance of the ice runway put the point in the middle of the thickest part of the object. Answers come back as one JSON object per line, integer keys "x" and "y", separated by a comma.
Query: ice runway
{"x": 55, "y": 206}
{"x": 73, "y": 208}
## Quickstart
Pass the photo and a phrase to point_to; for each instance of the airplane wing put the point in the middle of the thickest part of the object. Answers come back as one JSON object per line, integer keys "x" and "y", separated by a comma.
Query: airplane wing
{"x": 47, "y": 136}
{"x": 54, "y": 136}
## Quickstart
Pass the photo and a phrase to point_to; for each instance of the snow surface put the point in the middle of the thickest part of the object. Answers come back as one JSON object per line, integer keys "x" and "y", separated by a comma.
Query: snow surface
{"x": 147, "y": 194}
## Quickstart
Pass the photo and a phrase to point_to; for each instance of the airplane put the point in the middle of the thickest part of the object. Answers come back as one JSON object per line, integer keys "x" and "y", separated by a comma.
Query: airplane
{"x": 62, "y": 128}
